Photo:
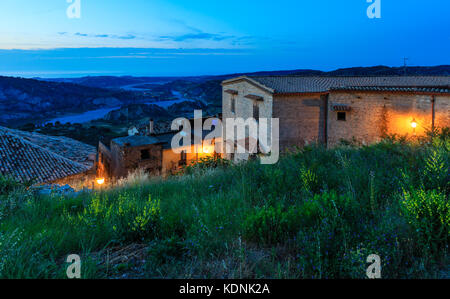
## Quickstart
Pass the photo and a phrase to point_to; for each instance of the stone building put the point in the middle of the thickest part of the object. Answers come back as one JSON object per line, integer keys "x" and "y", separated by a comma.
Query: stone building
{"x": 129, "y": 153}
{"x": 328, "y": 110}
{"x": 152, "y": 153}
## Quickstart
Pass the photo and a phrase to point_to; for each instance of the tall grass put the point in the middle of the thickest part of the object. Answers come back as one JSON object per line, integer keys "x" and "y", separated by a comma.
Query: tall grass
{"x": 318, "y": 213}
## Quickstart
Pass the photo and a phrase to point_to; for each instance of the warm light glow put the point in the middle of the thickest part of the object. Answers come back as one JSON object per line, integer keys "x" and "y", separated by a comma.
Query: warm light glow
{"x": 100, "y": 181}
{"x": 414, "y": 124}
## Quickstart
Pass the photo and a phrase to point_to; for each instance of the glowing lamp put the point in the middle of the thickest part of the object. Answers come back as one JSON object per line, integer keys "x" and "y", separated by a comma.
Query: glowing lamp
{"x": 413, "y": 124}
{"x": 100, "y": 181}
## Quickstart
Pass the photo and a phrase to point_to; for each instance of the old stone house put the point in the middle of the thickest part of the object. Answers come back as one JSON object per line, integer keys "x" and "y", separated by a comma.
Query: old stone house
{"x": 328, "y": 110}
{"x": 152, "y": 153}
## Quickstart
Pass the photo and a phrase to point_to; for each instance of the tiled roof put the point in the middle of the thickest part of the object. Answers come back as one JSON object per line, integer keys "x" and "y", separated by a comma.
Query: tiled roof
{"x": 165, "y": 139}
{"x": 25, "y": 161}
{"x": 63, "y": 146}
{"x": 396, "y": 89}
{"x": 297, "y": 84}
{"x": 136, "y": 140}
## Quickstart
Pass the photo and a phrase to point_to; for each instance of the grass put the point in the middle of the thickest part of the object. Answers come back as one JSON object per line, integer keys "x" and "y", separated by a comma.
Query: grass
{"x": 318, "y": 213}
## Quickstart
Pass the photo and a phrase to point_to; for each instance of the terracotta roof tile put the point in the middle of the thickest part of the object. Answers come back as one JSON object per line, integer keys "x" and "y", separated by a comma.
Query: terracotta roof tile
{"x": 298, "y": 84}
{"x": 443, "y": 90}
{"x": 26, "y": 161}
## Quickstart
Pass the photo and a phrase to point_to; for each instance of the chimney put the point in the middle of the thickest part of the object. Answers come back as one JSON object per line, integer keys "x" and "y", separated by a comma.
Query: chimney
{"x": 151, "y": 128}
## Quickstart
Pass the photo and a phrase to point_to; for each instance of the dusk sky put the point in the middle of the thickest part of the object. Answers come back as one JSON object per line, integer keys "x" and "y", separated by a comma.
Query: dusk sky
{"x": 203, "y": 37}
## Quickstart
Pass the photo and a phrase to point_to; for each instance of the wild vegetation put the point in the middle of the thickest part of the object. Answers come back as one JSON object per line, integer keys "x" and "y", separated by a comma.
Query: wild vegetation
{"x": 318, "y": 213}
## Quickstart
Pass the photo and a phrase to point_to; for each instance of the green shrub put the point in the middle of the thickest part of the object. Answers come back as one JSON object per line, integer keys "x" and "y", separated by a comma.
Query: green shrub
{"x": 320, "y": 213}
{"x": 207, "y": 163}
{"x": 436, "y": 170}
{"x": 328, "y": 205}
{"x": 271, "y": 224}
{"x": 22, "y": 257}
{"x": 126, "y": 217}
{"x": 166, "y": 251}
{"x": 309, "y": 180}
{"x": 428, "y": 212}
{"x": 7, "y": 185}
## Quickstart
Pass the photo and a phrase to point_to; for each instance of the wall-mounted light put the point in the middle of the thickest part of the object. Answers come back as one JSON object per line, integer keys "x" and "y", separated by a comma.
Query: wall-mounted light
{"x": 414, "y": 123}
{"x": 100, "y": 181}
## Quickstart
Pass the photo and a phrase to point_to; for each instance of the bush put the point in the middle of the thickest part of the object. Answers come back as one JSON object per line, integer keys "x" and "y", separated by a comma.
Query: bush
{"x": 271, "y": 225}
{"x": 127, "y": 217}
{"x": 428, "y": 213}
{"x": 166, "y": 251}
{"x": 317, "y": 213}
{"x": 22, "y": 257}
{"x": 436, "y": 170}
{"x": 7, "y": 185}
{"x": 207, "y": 163}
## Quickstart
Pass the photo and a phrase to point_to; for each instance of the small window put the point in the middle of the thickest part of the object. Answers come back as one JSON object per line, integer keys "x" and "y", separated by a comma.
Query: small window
{"x": 256, "y": 111}
{"x": 233, "y": 105}
{"x": 342, "y": 116}
{"x": 145, "y": 154}
{"x": 183, "y": 158}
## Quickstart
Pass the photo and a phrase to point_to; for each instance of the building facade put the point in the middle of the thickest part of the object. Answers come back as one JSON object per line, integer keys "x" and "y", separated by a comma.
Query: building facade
{"x": 153, "y": 154}
{"x": 328, "y": 110}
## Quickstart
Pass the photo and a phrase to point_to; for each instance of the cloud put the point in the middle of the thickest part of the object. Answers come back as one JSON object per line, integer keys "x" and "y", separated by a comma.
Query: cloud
{"x": 113, "y": 36}
{"x": 196, "y": 36}
{"x": 129, "y": 36}
{"x": 81, "y": 34}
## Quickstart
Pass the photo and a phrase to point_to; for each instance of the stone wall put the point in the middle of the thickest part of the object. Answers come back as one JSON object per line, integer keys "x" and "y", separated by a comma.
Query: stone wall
{"x": 301, "y": 119}
{"x": 442, "y": 111}
{"x": 374, "y": 114}
{"x": 244, "y": 106}
{"x": 104, "y": 161}
{"x": 127, "y": 159}
{"x": 78, "y": 181}
{"x": 306, "y": 119}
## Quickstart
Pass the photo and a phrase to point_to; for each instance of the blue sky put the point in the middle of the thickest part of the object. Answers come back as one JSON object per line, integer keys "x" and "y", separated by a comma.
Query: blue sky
{"x": 200, "y": 37}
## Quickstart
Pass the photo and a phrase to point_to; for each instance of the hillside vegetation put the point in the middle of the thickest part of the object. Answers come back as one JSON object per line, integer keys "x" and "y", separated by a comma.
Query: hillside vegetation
{"x": 318, "y": 213}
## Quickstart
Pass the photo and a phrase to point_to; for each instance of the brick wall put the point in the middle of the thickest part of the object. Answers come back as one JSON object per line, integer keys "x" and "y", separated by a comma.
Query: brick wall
{"x": 301, "y": 119}
{"x": 127, "y": 159}
{"x": 442, "y": 111}
{"x": 373, "y": 114}
{"x": 78, "y": 181}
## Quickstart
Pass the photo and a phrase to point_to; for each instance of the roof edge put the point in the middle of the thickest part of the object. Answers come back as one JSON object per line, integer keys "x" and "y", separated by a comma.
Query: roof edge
{"x": 249, "y": 80}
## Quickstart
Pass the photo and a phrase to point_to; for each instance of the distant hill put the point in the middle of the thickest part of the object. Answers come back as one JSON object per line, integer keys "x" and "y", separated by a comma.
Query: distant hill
{"x": 29, "y": 99}
{"x": 442, "y": 70}
{"x": 210, "y": 91}
{"x": 32, "y": 100}
{"x": 120, "y": 82}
